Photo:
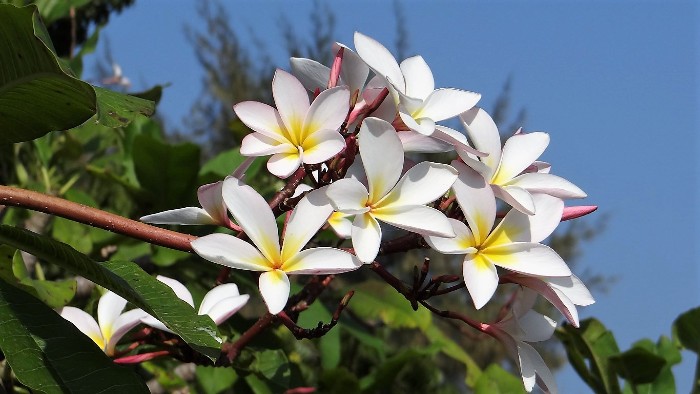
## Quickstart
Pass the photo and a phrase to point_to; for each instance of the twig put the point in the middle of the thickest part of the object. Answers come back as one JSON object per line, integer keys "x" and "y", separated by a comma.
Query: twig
{"x": 321, "y": 329}
{"x": 229, "y": 351}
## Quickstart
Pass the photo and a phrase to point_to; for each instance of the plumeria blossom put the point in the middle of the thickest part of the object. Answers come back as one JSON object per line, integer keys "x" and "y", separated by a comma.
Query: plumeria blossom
{"x": 258, "y": 222}
{"x": 520, "y": 326}
{"x": 113, "y": 324}
{"x": 219, "y": 303}
{"x": 564, "y": 292}
{"x": 338, "y": 221}
{"x": 412, "y": 86}
{"x": 513, "y": 244}
{"x": 399, "y": 202}
{"x": 513, "y": 171}
{"x": 296, "y": 132}
{"x": 213, "y": 210}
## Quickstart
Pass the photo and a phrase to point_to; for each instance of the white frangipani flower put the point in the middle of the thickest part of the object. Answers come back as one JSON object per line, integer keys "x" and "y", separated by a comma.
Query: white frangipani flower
{"x": 258, "y": 222}
{"x": 513, "y": 171}
{"x": 296, "y": 132}
{"x": 113, "y": 324}
{"x": 213, "y": 210}
{"x": 338, "y": 221}
{"x": 219, "y": 303}
{"x": 564, "y": 292}
{"x": 399, "y": 202}
{"x": 513, "y": 244}
{"x": 411, "y": 83}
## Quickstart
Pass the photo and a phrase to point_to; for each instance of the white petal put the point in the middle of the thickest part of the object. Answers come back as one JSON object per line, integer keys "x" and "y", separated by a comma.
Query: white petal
{"x": 476, "y": 200}
{"x": 312, "y": 74}
{"x": 217, "y": 294}
{"x": 109, "y": 307}
{"x": 321, "y": 146}
{"x": 257, "y": 144}
{"x": 536, "y": 327}
{"x": 416, "y": 142}
{"x": 416, "y": 218}
{"x": 84, "y": 322}
{"x": 379, "y": 59}
{"x": 556, "y": 297}
{"x": 481, "y": 279}
{"x": 122, "y": 325}
{"x": 340, "y": 224}
{"x": 284, "y": 164}
{"x": 211, "y": 199}
{"x": 574, "y": 289}
{"x": 533, "y": 369}
{"x": 528, "y": 258}
{"x": 425, "y": 126}
{"x": 366, "y": 237}
{"x": 519, "y": 152}
{"x": 328, "y": 111}
{"x": 553, "y": 185}
{"x": 291, "y": 100}
{"x": 519, "y": 227}
{"x": 483, "y": 133}
{"x": 462, "y": 243}
{"x": 422, "y": 184}
{"x": 180, "y": 290}
{"x": 447, "y": 103}
{"x": 419, "y": 79}
{"x": 455, "y": 139}
{"x": 253, "y": 215}
{"x": 308, "y": 216}
{"x": 516, "y": 197}
{"x": 274, "y": 288}
{"x": 321, "y": 261}
{"x": 188, "y": 215}
{"x": 155, "y": 323}
{"x": 354, "y": 71}
{"x": 227, "y": 307}
{"x": 348, "y": 196}
{"x": 261, "y": 118}
{"x": 382, "y": 156}
{"x": 231, "y": 252}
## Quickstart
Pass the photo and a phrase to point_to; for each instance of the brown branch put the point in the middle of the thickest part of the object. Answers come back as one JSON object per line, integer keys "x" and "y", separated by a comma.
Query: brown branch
{"x": 229, "y": 351}
{"x": 277, "y": 202}
{"x": 321, "y": 329}
{"x": 95, "y": 217}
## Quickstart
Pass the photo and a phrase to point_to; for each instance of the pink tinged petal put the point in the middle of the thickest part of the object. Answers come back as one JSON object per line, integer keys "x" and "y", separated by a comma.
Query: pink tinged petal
{"x": 274, "y": 288}
{"x": 528, "y": 258}
{"x": 516, "y": 197}
{"x": 321, "y": 261}
{"x": 519, "y": 152}
{"x": 419, "y": 79}
{"x": 225, "y": 308}
{"x": 122, "y": 325}
{"x": 382, "y": 156}
{"x": 262, "y": 119}
{"x": 353, "y": 71}
{"x": 186, "y": 216}
{"x": 321, "y": 146}
{"x": 328, "y": 111}
{"x": 231, "y": 252}
{"x": 379, "y": 59}
{"x": 483, "y": 133}
{"x": 519, "y": 227}
{"x": 536, "y": 182}
{"x": 348, "y": 196}
{"x": 312, "y": 74}
{"x": 422, "y": 184}
{"x": 239, "y": 172}
{"x": 416, "y": 218}
{"x": 455, "y": 139}
{"x": 577, "y": 211}
{"x": 366, "y": 237}
{"x": 180, "y": 290}
{"x": 574, "y": 289}
{"x": 256, "y": 144}
{"x": 416, "y": 142}
{"x": 481, "y": 279}
{"x": 253, "y": 215}
{"x": 292, "y": 102}
{"x": 476, "y": 200}
{"x": 283, "y": 165}
{"x": 540, "y": 166}
{"x": 109, "y": 307}
{"x": 462, "y": 243}
{"x": 557, "y": 298}
{"x": 447, "y": 103}
{"x": 533, "y": 369}
{"x": 308, "y": 216}
{"x": 211, "y": 199}
{"x": 340, "y": 224}
{"x": 84, "y": 322}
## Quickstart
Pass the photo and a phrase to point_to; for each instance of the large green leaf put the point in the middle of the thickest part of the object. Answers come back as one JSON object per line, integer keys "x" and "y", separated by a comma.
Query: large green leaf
{"x": 495, "y": 380}
{"x": 117, "y": 110}
{"x": 374, "y": 300}
{"x": 687, "y": 329}
{"x": 36, "y": 96}
{"x": 665, "y": 382}
{"x": 127, "y": 280}
{"x": 51, "y": 10}
{"x": 50, "y": 355}
{"x": 452, "y": 349}
{"x": 638, "y": 365}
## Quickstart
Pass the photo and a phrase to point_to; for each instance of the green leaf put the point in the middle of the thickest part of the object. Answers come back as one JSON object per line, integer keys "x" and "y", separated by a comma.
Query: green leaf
{"x": 223, "y": 164}
{"x": 51, "y": 10}
{"x": 591, "y": 345}
{"x": 213, "y": 380}
{"x": 339, "y": 381}
{"x": 375, "y": 300}
{"x": 452, "y": 349}
{"x": 637, "y": 365}
{"x": 273, "y": 367}
{"x": 127, "y": 280}
{"x": 385, "y": 376}
{"x": 50, "y": 355}
{"x": 36, "y": 95}
{"x": 329, "y": 344}
{"x": 496, "y": 380}
{"x": 665, "y": 382}
{"x": 687, "y": 329}
{"x": 118, "y": 110}
{"x": 167, "y": 172}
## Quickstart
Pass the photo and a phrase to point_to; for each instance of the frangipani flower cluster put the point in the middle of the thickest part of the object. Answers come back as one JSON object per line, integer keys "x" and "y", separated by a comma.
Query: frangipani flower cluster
{"x": 345, "y": 139}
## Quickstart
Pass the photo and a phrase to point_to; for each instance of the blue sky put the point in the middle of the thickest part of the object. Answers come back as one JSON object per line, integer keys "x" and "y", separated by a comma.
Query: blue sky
{"x": 614, "y": 83}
